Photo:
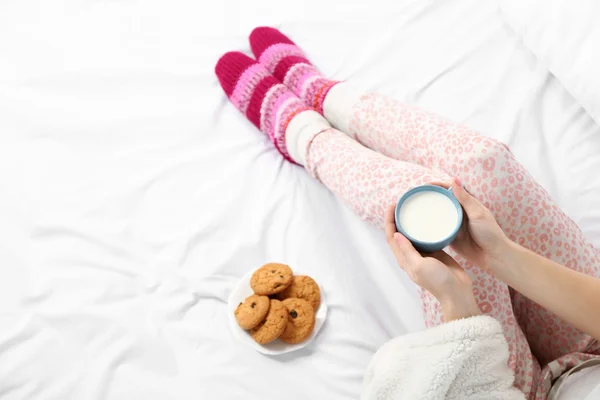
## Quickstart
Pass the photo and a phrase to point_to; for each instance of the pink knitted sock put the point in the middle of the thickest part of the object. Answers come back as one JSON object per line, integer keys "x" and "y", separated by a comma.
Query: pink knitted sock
{"x": 265, "y": 101}
{"x": 287, "y": 63}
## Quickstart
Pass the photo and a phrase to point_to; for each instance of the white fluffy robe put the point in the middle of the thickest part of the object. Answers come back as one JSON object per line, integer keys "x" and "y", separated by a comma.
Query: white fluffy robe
{"x": 463, "y": 359}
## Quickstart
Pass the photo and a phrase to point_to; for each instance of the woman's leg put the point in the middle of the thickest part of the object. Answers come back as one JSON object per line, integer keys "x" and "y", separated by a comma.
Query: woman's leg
{"x": 369, "y": 182}
{"x": 490, "y": 172}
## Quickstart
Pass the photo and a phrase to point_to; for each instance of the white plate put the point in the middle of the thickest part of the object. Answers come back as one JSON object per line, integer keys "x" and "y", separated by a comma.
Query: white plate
{"x": 239, "y": 294}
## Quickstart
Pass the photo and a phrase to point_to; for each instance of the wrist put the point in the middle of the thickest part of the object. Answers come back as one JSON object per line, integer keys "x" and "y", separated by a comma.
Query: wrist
{"x": 510, "y": 265}
{"x": 501, "y": 254}
{"x": 459, "y": 306}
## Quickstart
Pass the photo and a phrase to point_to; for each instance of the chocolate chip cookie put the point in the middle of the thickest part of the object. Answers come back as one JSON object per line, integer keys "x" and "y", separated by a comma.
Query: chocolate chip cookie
{"x": 273, "y": 325}
{"x": 300, "y": 321}
{"x": 303, "y": 287}
{"x": 252, "y": 311}
{"x": 271, "y": 278}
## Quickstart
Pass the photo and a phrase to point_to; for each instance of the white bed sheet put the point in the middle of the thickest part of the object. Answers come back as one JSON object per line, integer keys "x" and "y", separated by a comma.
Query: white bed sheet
{"x": 134, "y": 196}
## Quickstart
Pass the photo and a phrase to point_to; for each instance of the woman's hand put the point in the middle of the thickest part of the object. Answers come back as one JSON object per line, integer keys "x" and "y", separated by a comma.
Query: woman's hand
{"x": 438, "y": 273}
{"x": 480, "y": 239}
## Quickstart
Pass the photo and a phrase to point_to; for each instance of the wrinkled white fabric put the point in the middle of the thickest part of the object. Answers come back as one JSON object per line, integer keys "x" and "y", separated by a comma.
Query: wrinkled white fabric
{"x": 584, "y": 384}
{"x": 565, "y": 36}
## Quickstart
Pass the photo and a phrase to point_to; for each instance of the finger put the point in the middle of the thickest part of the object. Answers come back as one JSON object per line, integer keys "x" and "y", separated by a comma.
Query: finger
{"x": 445, "y": 185}
{"x": 444, "y": 258}
{"x": 409, "y": 253}
{"x": 461, "y": 248}
{"x": 468, "y": 202}
{"x": 390, "y": 230}
{"x": 463, "y": 238}
{"x": 463, "y": 231}
{"x": 390, "y": 224}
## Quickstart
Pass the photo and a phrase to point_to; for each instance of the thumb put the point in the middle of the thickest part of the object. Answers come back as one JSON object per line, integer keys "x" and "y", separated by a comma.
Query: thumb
{"x": 468, "y": 202}
{"x": 410, "y": 255}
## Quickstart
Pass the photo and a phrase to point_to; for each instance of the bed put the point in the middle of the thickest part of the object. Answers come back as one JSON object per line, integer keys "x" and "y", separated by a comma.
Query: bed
{"x": 134, "y": 196}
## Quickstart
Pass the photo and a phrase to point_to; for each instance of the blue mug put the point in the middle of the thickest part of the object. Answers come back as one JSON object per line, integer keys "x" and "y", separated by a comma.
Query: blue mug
{"x": 430, "y": 247}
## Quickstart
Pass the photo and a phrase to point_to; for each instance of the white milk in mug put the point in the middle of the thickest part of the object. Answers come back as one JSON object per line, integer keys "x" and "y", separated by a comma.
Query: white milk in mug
{"x": 428, "y": 216}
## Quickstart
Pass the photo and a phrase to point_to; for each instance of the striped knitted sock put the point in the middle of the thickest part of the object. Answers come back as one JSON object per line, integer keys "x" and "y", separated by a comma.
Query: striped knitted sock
{"x": 265, "y": 101}
{"x": 287, "y": 63}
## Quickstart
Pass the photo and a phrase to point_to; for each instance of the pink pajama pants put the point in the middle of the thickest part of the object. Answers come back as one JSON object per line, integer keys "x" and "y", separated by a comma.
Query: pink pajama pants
{"x": 397, "y": 147}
